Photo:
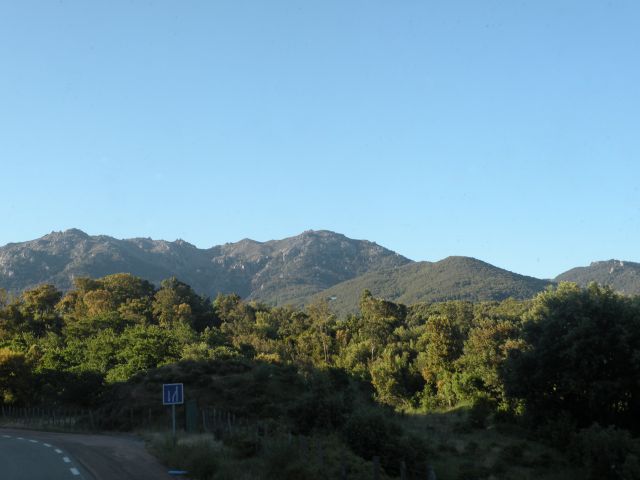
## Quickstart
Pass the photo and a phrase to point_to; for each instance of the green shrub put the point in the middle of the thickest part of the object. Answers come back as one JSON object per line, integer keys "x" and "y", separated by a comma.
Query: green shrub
{"x": 371, "y": 433}
{"x": 285, "y": 463}
{"x": 480, "y": 412}
{"x": 560, "y": 431}
{"x": 514, "y": 453}
{"x": 607, "y": 453}
{"x": 243, "y": 446}
{"x": 470, "y": 470}
{"x": 471, "y": 448}
{"x": 318, "y": 410}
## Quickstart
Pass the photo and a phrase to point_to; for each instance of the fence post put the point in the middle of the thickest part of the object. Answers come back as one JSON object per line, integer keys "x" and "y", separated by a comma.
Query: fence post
{"x": 320, "y": 454}
{"x": 431, "y": 474}
{"x": 376, "y": 468}
{"x": 302, "y": 441}
{"x": 403, "y": 470}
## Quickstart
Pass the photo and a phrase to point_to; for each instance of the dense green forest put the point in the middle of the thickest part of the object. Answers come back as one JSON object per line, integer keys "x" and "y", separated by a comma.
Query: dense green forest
{"x": 562, "y": 368}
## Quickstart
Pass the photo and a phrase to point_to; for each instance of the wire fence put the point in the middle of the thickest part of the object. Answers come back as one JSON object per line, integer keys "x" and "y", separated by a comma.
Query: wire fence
{"x": 62, "y": 419}
{"x": 85, "y": 420}
{"x": 255, "y": 436}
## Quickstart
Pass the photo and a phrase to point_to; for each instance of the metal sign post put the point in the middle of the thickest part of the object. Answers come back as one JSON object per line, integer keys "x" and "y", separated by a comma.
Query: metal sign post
{"x": 173, "y": 422}
{"x": 173, "y": 394}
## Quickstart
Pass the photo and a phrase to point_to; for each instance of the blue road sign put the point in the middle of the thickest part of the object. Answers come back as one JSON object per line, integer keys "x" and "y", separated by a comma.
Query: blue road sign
{"x": 172, "y": 394}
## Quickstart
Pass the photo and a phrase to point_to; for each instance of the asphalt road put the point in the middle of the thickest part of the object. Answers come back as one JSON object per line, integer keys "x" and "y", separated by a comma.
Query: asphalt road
{"x": 25, "y": 458}
{"x": 32, "y": 455}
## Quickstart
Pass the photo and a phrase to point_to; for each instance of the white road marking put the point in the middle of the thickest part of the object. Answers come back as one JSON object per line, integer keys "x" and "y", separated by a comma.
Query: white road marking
{"x": 73, "y": 470}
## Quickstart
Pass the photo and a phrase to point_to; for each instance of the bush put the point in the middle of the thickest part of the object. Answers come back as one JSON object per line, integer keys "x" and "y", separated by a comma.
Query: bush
{"x": 371, "y": 434}
{"x": 607, "y": 453}
{"x": 318, "y": 410}
{"x": 284, "y": 463}
{"x": 560, "y": 431}
{"x": 514, "y": 453}
{"x": 480, "y": 412}
{"x": 244, "y": 446}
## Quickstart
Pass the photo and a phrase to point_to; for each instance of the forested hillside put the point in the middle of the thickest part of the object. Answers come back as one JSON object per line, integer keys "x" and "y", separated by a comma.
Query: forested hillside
{"x": 454, "y": 278}
{"x": 623, "y": 277}
{"x": 549, "y": 383}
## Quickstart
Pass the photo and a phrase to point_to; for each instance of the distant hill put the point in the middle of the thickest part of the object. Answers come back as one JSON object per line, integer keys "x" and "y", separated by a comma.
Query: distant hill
{"x": 454, "y": 278}
{"x": 277, "y": 271}
{"x": 622, "y": 276}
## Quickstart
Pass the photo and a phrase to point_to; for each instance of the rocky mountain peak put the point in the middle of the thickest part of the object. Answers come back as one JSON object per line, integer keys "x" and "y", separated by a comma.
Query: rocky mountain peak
{"x": 276, "y": 271}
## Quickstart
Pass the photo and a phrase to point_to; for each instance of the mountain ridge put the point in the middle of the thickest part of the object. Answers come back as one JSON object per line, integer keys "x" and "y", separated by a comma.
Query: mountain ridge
{"x": 276, "y": 271}
{"x": 294, "y": 270}
{"x": 621, "y": 275}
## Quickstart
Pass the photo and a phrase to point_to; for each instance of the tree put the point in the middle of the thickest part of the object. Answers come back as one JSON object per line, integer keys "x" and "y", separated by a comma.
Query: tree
{"x": 581, "y": 359}
{"x": 4, "y": 298}
{"x": 176, "y": 302}
{"x": 379, "y": 320}
{"x": 396, "y": 381}
{"x": 141, "y": 348}
{"x": 323, "y": 322}
{"x": 439, "y": 347}
{"x": 15, "y": 377}
{"x": 37, "y": 309}
{"x": 486, "y": 349}
{"x": 124, "y": 287}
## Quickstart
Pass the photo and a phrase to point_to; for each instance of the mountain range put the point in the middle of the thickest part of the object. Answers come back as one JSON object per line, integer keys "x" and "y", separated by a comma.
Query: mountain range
{"x": 277, "y": 271}
{"x": 294, "y": 270}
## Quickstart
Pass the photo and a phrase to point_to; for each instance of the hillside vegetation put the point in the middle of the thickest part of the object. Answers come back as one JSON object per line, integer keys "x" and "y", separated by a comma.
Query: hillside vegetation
{"x": 624, "y": 277}
{"x": 454, "y": 278}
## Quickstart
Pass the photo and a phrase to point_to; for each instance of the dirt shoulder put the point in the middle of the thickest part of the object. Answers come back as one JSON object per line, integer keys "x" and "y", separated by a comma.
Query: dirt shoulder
{"x": 106, "y": 457}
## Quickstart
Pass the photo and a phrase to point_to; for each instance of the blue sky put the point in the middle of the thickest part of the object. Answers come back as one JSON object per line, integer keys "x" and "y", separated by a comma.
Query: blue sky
{"x": 504, "y": 130}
